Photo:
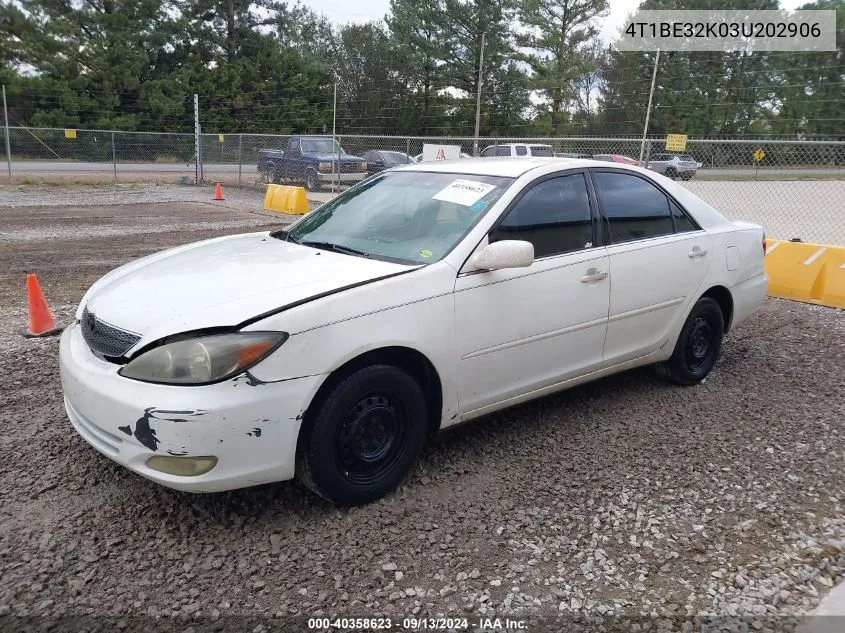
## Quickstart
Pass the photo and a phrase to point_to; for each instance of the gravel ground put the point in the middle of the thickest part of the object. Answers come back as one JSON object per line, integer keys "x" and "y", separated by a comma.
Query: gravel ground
{"x": 644, "y": 505}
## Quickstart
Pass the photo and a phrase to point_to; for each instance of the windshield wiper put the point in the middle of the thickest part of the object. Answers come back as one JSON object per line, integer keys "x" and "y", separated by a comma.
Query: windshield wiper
{"x": 337, "y": 248}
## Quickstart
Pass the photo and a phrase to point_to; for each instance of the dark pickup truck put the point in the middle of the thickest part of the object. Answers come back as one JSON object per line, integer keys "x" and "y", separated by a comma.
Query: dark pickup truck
{"x": 312, "y": 160}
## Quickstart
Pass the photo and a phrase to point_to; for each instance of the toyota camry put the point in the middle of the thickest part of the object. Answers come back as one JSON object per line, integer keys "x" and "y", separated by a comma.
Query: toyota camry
{"x": 425, "y": 296}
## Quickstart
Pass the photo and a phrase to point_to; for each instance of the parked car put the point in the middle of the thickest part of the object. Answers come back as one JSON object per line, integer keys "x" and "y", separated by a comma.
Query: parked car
{"x": 571, "y": 155}
{"x": 433, "y": 294}
{"x": 381, "y": 159}
{"x": 617, "y": 158}
{"x": 674, "y": 166}
{"x": 517, "y": 149}
{"x": 311, "y": 160}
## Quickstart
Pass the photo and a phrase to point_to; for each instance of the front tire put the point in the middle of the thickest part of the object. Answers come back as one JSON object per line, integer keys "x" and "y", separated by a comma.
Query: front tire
{"x": 364, "y": 436}
{"x": 698, "y": 346}
{"x": 312, "y": 182}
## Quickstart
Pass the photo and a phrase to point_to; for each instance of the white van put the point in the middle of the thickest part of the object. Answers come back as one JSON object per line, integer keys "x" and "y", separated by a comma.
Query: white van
{"x": 518, "y": 149}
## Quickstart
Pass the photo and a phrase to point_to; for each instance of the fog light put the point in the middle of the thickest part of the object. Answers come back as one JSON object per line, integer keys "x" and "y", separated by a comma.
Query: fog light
{"x": 182, "y": 466}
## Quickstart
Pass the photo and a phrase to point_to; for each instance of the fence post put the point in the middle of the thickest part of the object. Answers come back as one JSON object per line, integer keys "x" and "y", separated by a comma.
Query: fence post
{"x": 113, "y": 158}
{"x": 6, "y": 124}
{"x": 197, "y": 168}
{"x": 408, "y": 146}
{"x": 240, "y": 154}
{"x": 337, "y": 166}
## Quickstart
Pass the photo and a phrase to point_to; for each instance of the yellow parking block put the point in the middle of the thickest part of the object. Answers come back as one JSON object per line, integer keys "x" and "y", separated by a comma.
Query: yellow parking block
{"x": 813, "y": 273}
{"x": 286, "y": 199}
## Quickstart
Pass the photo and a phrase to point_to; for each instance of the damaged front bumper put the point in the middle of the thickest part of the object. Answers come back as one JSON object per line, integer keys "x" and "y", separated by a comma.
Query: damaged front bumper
{"x": 250, "y": 427}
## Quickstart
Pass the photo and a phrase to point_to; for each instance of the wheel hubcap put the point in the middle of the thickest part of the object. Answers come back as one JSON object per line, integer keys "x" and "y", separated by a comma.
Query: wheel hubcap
{"x": 699, "y": 345}
{"x": 370, "y": 438}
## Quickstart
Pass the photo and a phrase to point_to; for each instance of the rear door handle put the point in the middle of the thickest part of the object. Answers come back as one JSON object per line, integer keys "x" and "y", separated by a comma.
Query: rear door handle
{"x": 593, "y": 275}
{"x": 697, "y": 252}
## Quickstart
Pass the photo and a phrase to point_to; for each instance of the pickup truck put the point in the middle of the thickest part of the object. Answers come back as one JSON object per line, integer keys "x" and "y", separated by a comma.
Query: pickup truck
{"x": 312, "y": 160}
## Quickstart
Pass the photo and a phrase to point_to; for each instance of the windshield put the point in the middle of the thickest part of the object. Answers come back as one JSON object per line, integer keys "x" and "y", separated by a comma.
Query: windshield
{"x": 406, "y": 216}
{"x": 320, "y": 146}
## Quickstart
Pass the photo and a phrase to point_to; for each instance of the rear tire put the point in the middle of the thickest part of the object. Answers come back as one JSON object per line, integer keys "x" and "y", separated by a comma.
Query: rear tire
{"x": 698, "y": 347}
{"x": 671, "y": 173}
{"x": 364, "y": 436}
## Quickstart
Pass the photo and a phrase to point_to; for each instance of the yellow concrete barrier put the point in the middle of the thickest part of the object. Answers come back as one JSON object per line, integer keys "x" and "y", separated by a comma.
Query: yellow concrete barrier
{"x": 285, "y": 199}
{"x": 813, "y": 273}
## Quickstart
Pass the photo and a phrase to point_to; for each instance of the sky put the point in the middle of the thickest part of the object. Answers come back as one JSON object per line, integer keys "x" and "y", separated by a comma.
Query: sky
{"x": 341, "y": 11}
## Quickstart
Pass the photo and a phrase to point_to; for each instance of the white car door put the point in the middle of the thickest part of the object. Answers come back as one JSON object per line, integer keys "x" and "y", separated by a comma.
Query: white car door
{"x": 658, "y": 261}
{"x": 523, "y": 329}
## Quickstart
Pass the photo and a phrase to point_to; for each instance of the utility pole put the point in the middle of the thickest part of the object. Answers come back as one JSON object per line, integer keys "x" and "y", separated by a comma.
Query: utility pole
{"x": 478, "y": 98}
{"x": 197, "y": 139}
{"x": 648, "y": 109}
{"x": 334, "y": 141}
{"x": 6, "y": 124}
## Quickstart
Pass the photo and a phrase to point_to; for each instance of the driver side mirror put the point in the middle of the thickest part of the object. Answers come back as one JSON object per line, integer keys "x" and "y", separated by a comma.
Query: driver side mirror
{"x": 504, "y": 254}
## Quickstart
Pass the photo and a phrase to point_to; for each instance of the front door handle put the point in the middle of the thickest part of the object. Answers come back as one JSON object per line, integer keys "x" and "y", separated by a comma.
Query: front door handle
{"x": 697, "y": 252}
{"x": 593, "y": 275}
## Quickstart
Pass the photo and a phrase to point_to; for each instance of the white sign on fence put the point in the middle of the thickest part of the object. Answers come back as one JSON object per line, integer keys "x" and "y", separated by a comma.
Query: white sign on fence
{"x": 440, "y": 152}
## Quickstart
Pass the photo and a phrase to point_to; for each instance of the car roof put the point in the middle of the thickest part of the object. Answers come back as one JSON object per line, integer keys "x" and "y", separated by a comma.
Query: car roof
{"x": 502, "y": 165}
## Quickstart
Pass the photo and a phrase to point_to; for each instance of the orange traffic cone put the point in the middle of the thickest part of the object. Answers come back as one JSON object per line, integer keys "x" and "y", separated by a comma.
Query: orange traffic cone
{"x": 41, "y": 322}
{"x": 218, "y": 192}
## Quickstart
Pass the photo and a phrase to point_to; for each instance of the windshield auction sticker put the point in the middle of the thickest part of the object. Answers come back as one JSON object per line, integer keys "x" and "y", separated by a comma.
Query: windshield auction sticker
{"x": 729, "y": 30}
{"x": 463, "y": 192}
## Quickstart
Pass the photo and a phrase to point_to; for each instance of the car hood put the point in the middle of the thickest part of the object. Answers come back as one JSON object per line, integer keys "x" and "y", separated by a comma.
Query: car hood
{"x": 222, "y": 282}
{"x": 344, "y": 158}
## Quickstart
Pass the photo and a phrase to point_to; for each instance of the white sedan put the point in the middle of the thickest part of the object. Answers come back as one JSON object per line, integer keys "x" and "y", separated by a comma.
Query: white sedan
{"x": 423, "y": 297}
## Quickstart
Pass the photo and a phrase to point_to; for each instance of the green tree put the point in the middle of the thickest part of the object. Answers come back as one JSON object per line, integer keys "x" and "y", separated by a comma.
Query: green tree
{"x": 465, "y": 22}
{"x": 558, "y": 49}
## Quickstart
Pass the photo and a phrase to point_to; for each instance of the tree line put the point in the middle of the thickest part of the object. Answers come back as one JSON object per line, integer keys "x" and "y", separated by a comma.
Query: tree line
{"x": 272, "y": 66}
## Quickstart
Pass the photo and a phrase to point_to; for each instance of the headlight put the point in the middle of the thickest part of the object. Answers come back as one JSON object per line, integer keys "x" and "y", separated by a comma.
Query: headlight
{"x": 204, "y": 359}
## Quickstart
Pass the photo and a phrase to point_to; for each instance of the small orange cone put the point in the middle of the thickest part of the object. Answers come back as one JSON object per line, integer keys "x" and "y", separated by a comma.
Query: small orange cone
{"x": 41, "y": 322}
{"x": 218, "y": 192}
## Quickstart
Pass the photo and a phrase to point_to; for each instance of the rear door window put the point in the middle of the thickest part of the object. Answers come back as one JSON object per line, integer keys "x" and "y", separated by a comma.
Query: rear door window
{"x": 634, "y": 207}
{"x": 681, "y": 219}
{"x": 521, "y": 150}
{"x": 540, "y": 150}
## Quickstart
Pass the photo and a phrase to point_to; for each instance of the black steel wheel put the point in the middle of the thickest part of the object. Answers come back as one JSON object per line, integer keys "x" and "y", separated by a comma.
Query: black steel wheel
{"x": 362, "y": 438}
{"x": 698, "y": 345}
{"x": 371, "y": 438}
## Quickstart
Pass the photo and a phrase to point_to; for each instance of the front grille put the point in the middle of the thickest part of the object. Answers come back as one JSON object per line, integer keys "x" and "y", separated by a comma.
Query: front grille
{"x": 349, "y": 168}
{"x": 106, "y": 339}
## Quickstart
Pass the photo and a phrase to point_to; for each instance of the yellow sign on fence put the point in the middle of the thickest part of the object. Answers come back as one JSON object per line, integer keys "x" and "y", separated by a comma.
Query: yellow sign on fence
{"x": 759, "y": 155}
{"x": 220, "y": 137}
{"x": 70, "y": 133}
{"x": 676, "y": 142}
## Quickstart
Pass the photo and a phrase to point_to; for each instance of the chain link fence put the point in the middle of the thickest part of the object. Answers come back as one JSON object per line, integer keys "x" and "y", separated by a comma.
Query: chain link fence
{"x": 795, "y": 189}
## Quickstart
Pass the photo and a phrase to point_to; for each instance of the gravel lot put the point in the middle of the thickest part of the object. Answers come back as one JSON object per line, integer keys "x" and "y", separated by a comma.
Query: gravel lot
{"x": 627, "y": 499}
